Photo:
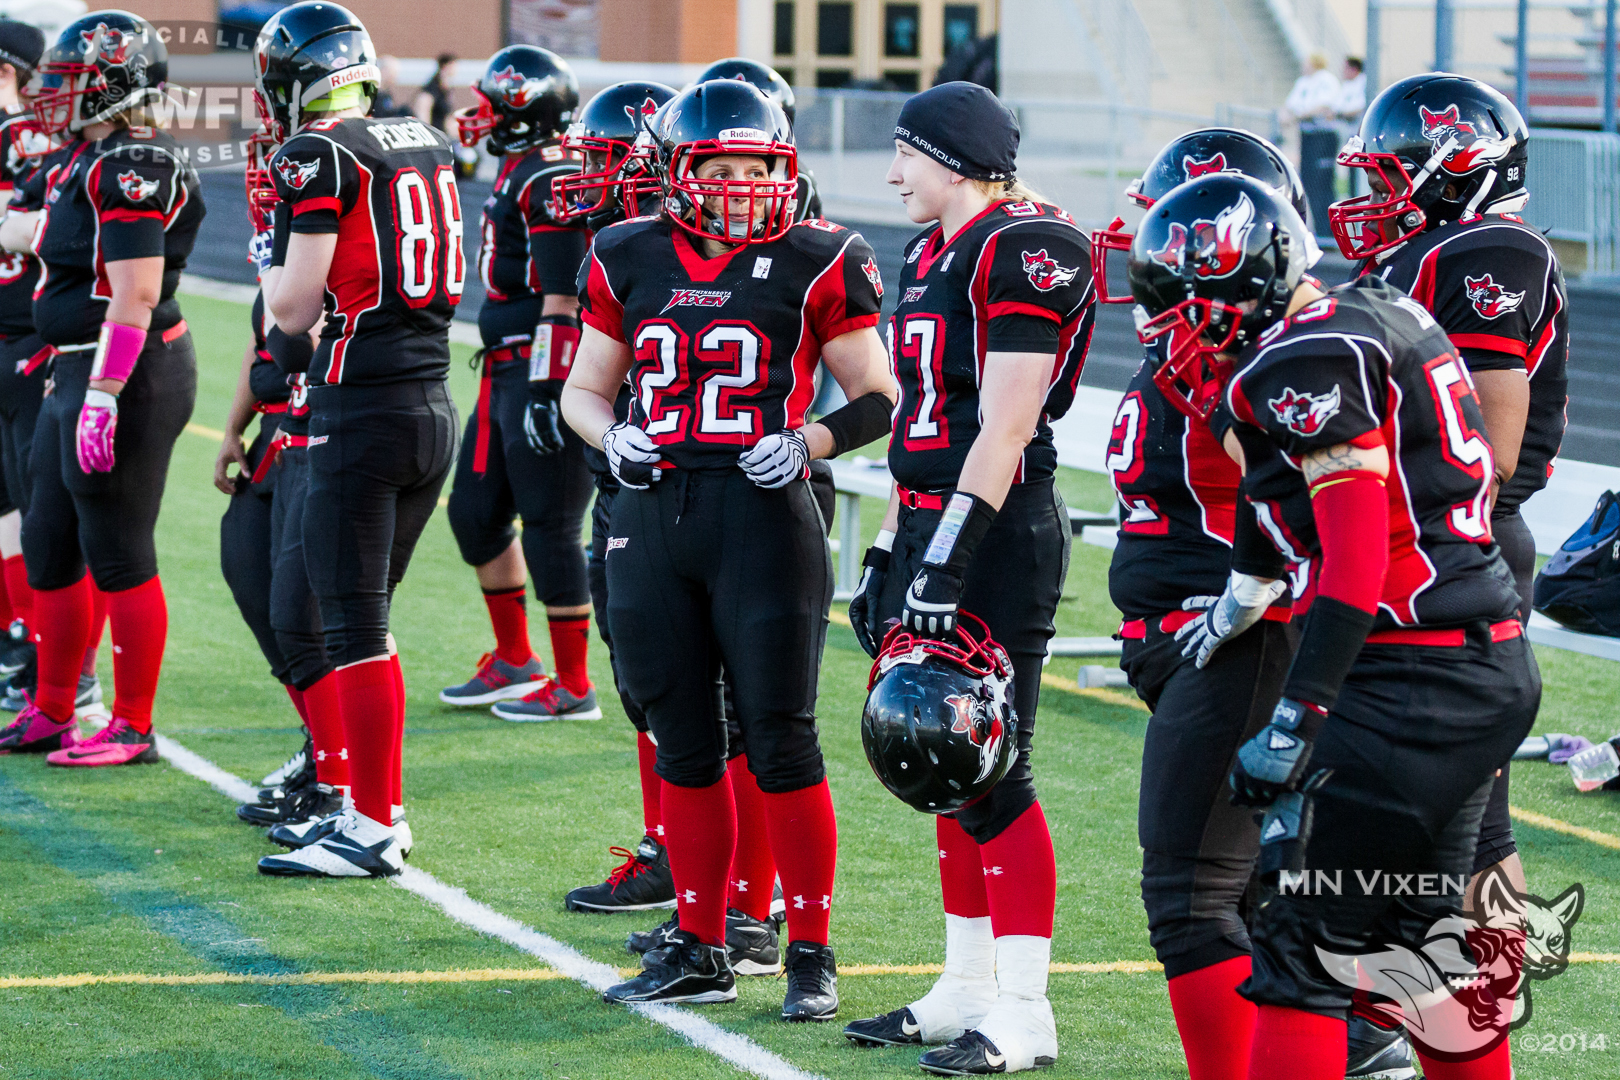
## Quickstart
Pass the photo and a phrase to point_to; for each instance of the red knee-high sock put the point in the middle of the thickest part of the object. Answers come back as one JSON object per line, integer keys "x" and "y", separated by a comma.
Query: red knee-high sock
{"x": 700, "y": 827}
{"x": 652, "y": 787}
{"x": 397, "y": 794}
{"x": 98, "y": 625}
{"x": 1020, "y": 877}
{"x": 753, "y": 870}
{"x": 140, "y": 629}
{"x": 1290, "y": 1044}
{"x": 961, "y": 875}
{"x": 8, "y": 610}
{"x": 296, "y": 696}
{"x": 570, "y": 642}
{"x": 804, "y": 839}
{"x": 324, "y": 716}
{"x": 365, "y": 693}
{"x": 22, "y": 597}
{"x": 1496, "y": 1065}
{"x": 1216, "y": 1025}
{"x": 61, "y": 634}
{"x": 509, "y": 615}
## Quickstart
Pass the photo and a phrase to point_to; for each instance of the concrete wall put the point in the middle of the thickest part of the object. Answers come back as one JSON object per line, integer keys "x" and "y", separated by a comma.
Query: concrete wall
{"x": 668, "y": 31}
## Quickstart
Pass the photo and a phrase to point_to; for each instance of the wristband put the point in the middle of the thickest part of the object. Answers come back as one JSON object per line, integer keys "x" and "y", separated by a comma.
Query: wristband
{"x": 280, "y": 234}
{"x": 877, "y": 558}
{"x": 965, "y": 521}
{"x": 552, "y": 354}
{"x": 867, "y": 418}
{"x": 117, "y": 350}
{"x": 1328, "y": 645}
{"x": 885, "y": 540}
{"x": 291, "y": 352}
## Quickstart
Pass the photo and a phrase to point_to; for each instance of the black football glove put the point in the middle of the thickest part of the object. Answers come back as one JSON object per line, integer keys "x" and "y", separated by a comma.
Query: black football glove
{"x": 540, "y": 419}
{"x": 863, "y": 605}
{"x": 1275, "y": 760}
{"x": 632, "y": 456}
{"x": 931, "y": 602}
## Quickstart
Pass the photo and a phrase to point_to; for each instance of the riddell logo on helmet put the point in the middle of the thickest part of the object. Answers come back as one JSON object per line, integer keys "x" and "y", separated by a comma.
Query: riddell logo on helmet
{"x": 1490, "y": 300}
{"x": 1217, "y": 246}
{"x": 1195, "y": 168}
{"x": 696, "y": 298}
{"x": 1474, "y": 149}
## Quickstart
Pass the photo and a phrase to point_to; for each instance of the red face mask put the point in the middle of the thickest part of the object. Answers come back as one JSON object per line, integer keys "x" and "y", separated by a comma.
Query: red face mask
{"x": 1194, "y": 372}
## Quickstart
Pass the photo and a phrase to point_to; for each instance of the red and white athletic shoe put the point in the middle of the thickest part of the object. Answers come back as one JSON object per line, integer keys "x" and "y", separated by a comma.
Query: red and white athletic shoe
{"x": 115, "y": 744}
{"x": 33, "y": 732}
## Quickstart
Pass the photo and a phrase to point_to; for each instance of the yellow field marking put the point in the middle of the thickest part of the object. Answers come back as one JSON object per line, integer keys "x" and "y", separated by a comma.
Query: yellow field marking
{"x": 1096, "y": 693}
{"x": 1542, "y": 821}
{"x": 839, "y": 617}
{"x": 206, "y": 432}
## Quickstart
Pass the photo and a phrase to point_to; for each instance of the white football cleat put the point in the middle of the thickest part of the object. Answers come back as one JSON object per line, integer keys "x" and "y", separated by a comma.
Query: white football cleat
{"x": 356, "y": 847}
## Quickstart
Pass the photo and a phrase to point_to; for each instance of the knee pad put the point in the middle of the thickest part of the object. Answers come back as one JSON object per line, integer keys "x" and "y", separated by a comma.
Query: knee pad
{"x": 1194, "y": 909}
{"x": 356, "y": 628}
{"x": 481, "y": 534}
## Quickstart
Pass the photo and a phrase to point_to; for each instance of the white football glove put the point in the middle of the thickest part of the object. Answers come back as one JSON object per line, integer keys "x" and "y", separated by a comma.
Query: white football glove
{"x": 259, "y": 251}
{"x": 631, "y": 454}
{"x": 1226, "y": 616}
{"x": 777, "y": 460}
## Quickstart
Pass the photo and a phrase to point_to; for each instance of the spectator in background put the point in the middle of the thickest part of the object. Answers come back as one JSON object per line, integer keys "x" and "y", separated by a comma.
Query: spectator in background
{"x": 1315, "y": 92}
{"x": 1352, "y": 101}
{"x": 386, "y": 102}
{"x": 433, "y": 100}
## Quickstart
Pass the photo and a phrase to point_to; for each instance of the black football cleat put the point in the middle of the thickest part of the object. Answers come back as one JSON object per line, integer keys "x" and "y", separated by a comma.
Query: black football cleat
{"x": 685, "y": 970}
{"x": 643, "y": 882}
{"x": 812, "y": 978}
{"x": 642, "y": 942}
{"x": 298, "y": 805}
{"x": 751, "y": 945}
{"x": 295, "y": 764}
{"x": 898, "y": 1028}
{"x": 970, "y": 1054}
{"x": 1377, "y": 1053}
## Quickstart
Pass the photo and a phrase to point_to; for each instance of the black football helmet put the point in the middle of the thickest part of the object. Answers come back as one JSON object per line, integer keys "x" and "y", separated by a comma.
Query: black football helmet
{"x": 726, "y": 116}
{"x": 938, "y": 726}
{"x": 525, "y": 96}
{"x": 762, "y": 77}
{"x": 1436, "y": 148}
{"x": 99, "y": 66}
{"x": 1197, "y": 153}
{"x": 303, "y": 53}
{"x": 606, "y": 134}
{"x": 1214, "y": 263}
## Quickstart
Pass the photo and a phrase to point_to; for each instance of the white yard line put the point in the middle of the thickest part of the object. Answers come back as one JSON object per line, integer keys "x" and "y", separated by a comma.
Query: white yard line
{"x": 738, "y": 1050}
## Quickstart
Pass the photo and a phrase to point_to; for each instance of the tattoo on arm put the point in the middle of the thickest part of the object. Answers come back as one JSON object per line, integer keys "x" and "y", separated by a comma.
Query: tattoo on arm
{"x": 1335, "y": 459}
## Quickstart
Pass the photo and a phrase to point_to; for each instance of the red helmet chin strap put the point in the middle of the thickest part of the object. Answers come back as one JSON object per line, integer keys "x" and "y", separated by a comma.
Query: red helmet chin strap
{"x": 1112, "y": 237}
{"x": 1196, "y": 364}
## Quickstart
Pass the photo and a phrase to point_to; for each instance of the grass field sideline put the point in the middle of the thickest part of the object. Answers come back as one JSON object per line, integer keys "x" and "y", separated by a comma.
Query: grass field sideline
{"x": 145, "y": 872}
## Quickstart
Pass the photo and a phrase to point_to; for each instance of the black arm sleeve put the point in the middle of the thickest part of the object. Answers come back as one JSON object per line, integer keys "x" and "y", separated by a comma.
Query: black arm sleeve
{"x": 1490, "y": 360}
{"x": 1253, "y": 553}
{"x": 859, "y": 422}
{"x": 291, "y": 352}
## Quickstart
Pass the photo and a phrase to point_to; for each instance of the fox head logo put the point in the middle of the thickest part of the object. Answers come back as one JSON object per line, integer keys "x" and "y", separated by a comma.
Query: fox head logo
{"x": 640, "y": 114}
{"x": 1194, "y": 168}
{"x": 1472, "y": 148}
{"x": 135, "y": 186}
{"x": 295, "y": 174}
{"x": 1045, "y": 273}
{"x": 1305, "y": 414}
{"x": 515, "y": 88}
{"x": 870, "y": 269}
{"x": 1217, "y": 244}
{"x": 1490, "y": 300}
{"x": 981, "y": 723}
{"x": 109, "y": 46}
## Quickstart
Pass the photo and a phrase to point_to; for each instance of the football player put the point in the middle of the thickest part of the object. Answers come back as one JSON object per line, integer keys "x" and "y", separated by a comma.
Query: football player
{"x": 124, "y": 207}
{"x": 1412, "y": 680}
{"x": 516, "y": 459}
{"x": 382, "y": 425}
{"x": 1445, "y": 158}
{"x": 718, "y": 310}
{"x": 768, "y": 81}
{"x": 988, "y": 339}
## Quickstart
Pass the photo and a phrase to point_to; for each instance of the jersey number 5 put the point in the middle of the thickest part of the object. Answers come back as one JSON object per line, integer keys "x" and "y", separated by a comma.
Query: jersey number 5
{"x": 1125, "y": 464}
{"x": 423, "y": 230}
{"x": 1462, "y": 446}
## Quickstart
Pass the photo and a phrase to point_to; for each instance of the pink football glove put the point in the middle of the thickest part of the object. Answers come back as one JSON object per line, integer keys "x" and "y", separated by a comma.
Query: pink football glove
{"x": 98, "y": 422}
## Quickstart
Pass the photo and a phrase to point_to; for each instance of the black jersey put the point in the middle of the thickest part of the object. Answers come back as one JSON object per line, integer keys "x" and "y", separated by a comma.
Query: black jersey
{"x": 18, "y": 270}
{"x": 524, "y": 252}
{"x": 807, "y": 198}
{"x": 1369, "y": 361}
{"x": 132, "y": 195}
{"x": 726, "y": 348}
{"x": 1178, "y": 493}
{"x": 1016, "y": 265}
{"x": 1495, "y": 286}
{"x": 387, "y": 188}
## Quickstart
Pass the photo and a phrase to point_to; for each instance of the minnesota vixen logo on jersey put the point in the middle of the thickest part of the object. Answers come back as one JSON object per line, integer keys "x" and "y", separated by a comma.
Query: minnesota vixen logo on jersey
{"x": 1195, "y": 168}
{"x": 1217, "y": 246}
{"x": 1305, "y": 414}
{"x": 870, "y": 269}
{"x": 1473, "y": 148}
{"x": 295, "y": 174}
{"x": 135, "y": 186}
{"x": 1045, "y": 273}
{"x": 981, "y": 723}
{"x": 1490, "y": 299}
{"x": 696, "y": 298}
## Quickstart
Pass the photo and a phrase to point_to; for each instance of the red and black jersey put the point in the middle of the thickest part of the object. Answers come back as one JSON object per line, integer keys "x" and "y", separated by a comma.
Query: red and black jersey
{"x": 131, "y": 195}
{"x": 1368, "y": 365}
{"x": 1178, "y": 493}
{"x": 726, "y": 348}
{"x": 1495, "y": 287}
{"x": 525, "y": 252}
{"x": 387, "y": 188}
{"x": 1017, "y": 278}
{"x": 18, "y": 270}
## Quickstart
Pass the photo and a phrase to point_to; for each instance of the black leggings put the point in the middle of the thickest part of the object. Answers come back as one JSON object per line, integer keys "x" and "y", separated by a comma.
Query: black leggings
{"x": 106, "y": 519}
{"x": 245, "y": 551}
{"x": 1014, "y": 584}
{"x": 549, "y": 491}
{"x": 705, "y": 569}
{"x": 378, "y": 458}
{"x": 295, "y": 614}
{"x": 20, "y": 398}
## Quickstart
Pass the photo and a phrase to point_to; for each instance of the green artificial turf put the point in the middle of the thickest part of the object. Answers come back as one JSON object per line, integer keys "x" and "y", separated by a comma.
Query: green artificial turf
{"x": 146, "y": 869}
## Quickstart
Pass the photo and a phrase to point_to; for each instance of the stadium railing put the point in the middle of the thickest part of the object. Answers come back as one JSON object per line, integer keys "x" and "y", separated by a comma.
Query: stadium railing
{"x": 1575, "y": 177}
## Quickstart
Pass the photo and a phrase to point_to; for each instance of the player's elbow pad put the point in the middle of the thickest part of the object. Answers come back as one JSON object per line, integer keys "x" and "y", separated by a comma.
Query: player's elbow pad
{"x": 864, "y": 420}
{"x": 291, "y": 352}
